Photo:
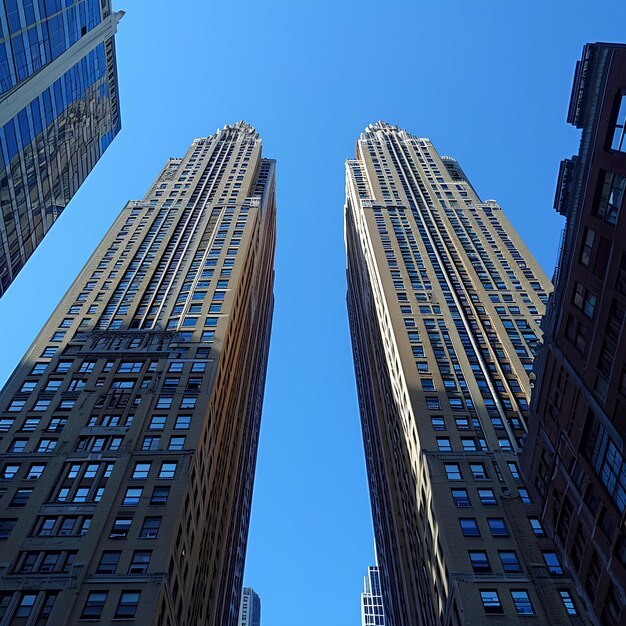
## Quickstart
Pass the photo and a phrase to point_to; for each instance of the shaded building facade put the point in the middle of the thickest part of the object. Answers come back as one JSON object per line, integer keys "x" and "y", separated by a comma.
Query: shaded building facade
{"x": 574, "y": 457}
{"x": 444, "y": 302}
{"x": 250, "y": 611}
{"x": 59, "y": 111}
{"x": 372, "y": 610}
{"x": 129, "y": 430}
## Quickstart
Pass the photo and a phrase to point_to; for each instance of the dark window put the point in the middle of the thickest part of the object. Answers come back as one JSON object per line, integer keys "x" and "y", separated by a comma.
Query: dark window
{"x": 108, "y": 562}
{"x": 510, "y": 562}
{"x": 522, "y": 602}
{"x": 94, "y": 605}
{"x": 127, "y": 606}
{"x": 498, "y": 528}
{"x": 140, "y": 562}
{"x": 150, "y": 528}
{"x": 469, "y": 527}
{"x": 480, "y": 561}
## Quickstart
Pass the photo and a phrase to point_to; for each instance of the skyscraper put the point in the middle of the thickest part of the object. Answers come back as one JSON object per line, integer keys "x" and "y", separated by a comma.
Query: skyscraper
{"x": 250, "y": 611}
{"x": 574, "y": 457}
{"x": 372, "y": 611}
{"x": 444, "y": 303}
{"x": 130, "y": 428}
{"x": 59, "y": 110}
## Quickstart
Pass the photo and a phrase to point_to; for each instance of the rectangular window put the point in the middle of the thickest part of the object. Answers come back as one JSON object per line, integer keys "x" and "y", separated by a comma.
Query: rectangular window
{"x": 453, "y": 471}
{"x": 94, "y": 605}
{"x": 127, "y": 606}
{"x": 479, "y": 561}
{"x": 522, "y": 602}
{"x": 553, "y": 563}
{"x": 568, "y": 602}
{"x": 510, "y": 562}
{"x": 168, "y": 469}
{"x": 584, "y": 299}
{"x": 498, "y": 527}
{"x": 140, "y": 561}
{"x": 491, "y": 601}
{"x": 618, "y": 141}
{"x": 460, "y": 497}
{"x": 487, "y": 497}
{"x": 108, "y": 562}
{"x": 150, "y": 528}
{"x": 469, "y": 527}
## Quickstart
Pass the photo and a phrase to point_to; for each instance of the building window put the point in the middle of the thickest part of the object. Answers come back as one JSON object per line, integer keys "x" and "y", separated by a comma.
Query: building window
{"x": 150, "y": 528}
{"x": 524, "y": 495}
{"x": 535, "y": 524}
{"x": 140, "y": 562}
{"x": 168, "y": 469}
{"x": 510, "y": 562}
{"x": 20, "y": 498}
{"x": 182, "y": 422}
{"x": 568, "y": 602}
{"x": 469, "y": 527}
{"x": 433, "y": 403}
{"x": 120, "y": 529}
{"x": 460, "y": 497}
{"x": 141, "y": 471}
{"x": 611, "y": 198}
{"x": 586, "y": 247}
{"x": 127, "y": 606}
{"x": 491, "y": 601}
{"x": 94, "y": 605}
{"x": 498, "y": 527}
{"x": 133, "y": 496}
{"x": 478, "y": 471}
{"x": 443, "y": 444}
{"x": 160, "y": 495}
{"x": 553, "y": 563}
{"x": 618, "y": 141}
{"x": 584, "y": 300}
{"x": 480, "y": 561}
{"x": 26, "y": 605}
{"x": 6, "y": 527}
{"x": 487, "y": 497}
{"x": 522, "y": 602}
{"x": 453, "y": 471}
{"x": 108, "y": 562}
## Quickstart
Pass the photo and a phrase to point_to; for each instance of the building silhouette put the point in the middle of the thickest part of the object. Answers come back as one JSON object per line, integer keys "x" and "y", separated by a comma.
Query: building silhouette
{"x": 59, "y": 110}
{"x": 129, "y": 430}
{"x": 444, "y": 302}
{"x": 574, "y": 457}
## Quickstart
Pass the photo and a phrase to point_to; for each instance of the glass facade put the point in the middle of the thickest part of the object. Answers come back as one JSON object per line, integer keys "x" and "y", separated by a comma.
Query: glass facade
{"x": 66, "y": 113}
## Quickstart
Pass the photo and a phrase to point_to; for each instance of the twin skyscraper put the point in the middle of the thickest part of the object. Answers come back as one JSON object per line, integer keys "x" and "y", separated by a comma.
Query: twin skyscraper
{"x": 129, "y": 431}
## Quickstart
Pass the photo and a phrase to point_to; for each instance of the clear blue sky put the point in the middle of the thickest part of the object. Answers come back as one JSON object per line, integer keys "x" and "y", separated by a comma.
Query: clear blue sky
{"x": 487, "y": 81}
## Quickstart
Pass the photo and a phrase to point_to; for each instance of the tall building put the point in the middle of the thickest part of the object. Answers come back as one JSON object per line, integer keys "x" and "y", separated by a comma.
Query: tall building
{"x": 372, "y": 611}
{"x": 250, "y": 611}
{"x": 59, "y": 110}
{"x": 574, "y": 457}
{"x": 444, "y": 303}
{"x": 129, "y": 430}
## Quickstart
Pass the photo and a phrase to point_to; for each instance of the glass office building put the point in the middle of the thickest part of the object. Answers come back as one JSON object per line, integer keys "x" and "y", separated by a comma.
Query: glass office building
{"x": 59, "y": 110}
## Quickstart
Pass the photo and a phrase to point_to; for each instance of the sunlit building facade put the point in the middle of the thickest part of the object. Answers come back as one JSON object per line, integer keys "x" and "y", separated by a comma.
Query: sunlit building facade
{"x": 59, "y": 111}
{"x": 444, "y": 302}
{"x": 129, "y": 431}
{"x": 574, "y": 456}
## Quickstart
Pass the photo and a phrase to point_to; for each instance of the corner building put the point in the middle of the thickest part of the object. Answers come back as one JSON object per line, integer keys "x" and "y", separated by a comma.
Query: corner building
{"x": 574, "y": 458}
{"x": 130, "y": 428}
{"x": 59, "y": 111}
{"x": 444, "y": 303}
